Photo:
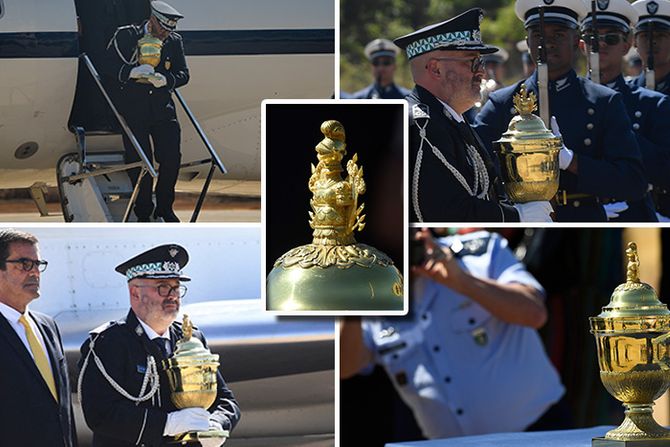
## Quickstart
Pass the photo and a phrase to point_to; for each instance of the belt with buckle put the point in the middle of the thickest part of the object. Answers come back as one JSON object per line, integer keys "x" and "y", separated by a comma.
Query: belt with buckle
{"x": 563, "y": 198}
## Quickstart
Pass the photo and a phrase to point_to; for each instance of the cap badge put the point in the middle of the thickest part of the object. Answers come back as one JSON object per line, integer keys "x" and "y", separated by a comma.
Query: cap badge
{"x": 603, "y": 4}
{"x": 169, "y": 266}
{"x": 173, "y": 252}
{"x": 548, "y": 2}
{"x": 652, "y": 8}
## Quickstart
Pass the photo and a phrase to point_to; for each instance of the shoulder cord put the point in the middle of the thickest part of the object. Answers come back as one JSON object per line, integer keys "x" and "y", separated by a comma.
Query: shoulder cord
{"x": 150, "y": 377}
{"x": 133, "y": 57}
{"x": 481, "y": 174}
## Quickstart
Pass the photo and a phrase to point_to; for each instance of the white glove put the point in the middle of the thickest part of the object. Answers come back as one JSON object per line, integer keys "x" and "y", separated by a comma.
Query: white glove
{"x": 211, "y": 442}
{"x": 662, "y": 218}
{"x": 158, "y": 80}
{"x": 565, "y": 155}
{"x": 188, "y": 419}
{"x": 141, "y": 71}
{"x": 534, "y": 211}
{"x": 613, "y": 209}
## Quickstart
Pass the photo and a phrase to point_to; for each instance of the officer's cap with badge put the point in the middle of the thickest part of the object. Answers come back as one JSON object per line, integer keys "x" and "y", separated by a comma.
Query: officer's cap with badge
{"x": 380, "y": 48}
{"x": 458, "y": 34}
{"x": 166, "y": 15}
{"x": 652, "y": 11}
{"x": 617, "y": 14}
{"x": 162, "y": 262}
{"x": 566, "y": 13}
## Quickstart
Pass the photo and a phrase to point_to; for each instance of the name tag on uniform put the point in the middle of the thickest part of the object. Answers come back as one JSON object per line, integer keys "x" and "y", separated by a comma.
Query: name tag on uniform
{"x": 141, "y": 369}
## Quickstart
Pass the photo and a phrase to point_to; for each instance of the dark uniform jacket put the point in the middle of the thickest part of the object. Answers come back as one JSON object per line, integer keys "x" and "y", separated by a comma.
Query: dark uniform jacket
{"x": 138, "y": 100}
{"x": 376, "y": 91}
{"x": 660, "y": 130}
{"x": 595, "y": 125}
{"x": 441, "y": 197}
{"x": 123, "y": 347}
{"x": 29, "y": 415}
{"x": 649, "y": 112}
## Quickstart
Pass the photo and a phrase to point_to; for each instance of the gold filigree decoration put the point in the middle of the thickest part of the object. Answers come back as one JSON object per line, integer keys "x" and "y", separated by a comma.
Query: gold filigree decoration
{"x": 525, "y": 102}
{"x": 335, "y": 213}
{"x": 633, "y": 270}
{"x": 341, "y": 256}
{"x": 187, "y": 328}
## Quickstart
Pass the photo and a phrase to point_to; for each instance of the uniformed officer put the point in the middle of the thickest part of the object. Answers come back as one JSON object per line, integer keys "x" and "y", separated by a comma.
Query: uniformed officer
{"x": 125, "y": 393}
{"x": 648, "y": 110}
{"x": 452, "y": 175}
{"x": 654, "y": 14}
{"x": 467, "y": 359}
{"x": 382, "y": 54}
{"x": 145, "y": 101}
{"x": 601, "y": 159}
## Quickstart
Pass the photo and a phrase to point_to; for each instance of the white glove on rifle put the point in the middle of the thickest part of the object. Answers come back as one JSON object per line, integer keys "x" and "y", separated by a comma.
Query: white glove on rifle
{"x": 565, "y": 155}
{"x": 141, "y": 71}
{"x": 534, "y": 211}
{"x": 188, "y": 419}
{"x": 213, "y": 442}
{"x": 158, "y": 80}
{"x": 613, "y": 209}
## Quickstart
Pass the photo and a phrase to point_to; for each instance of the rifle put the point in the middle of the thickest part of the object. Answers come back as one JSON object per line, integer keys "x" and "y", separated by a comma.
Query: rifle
{"x": 543, "y": 74}
{"x": 594, "y": 53}
{"x": 649, "y": 75}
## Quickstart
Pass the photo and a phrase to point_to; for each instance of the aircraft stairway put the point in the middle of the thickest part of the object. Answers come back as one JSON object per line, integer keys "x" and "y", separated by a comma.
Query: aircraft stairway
{"x": 95, "y": 187}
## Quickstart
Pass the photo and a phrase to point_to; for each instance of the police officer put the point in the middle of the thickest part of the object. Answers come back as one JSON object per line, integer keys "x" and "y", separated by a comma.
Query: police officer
{"x": 648, "y": 110}
{"x": 145, "y": 101}
{"x": 382, "y": 54}
{"x": 601, "y": 159}
{"x": 459, "y": 359}
{"x": 654, "y": 16}
{"x": 125, "y": 392}
{"x": 452, "y": 175}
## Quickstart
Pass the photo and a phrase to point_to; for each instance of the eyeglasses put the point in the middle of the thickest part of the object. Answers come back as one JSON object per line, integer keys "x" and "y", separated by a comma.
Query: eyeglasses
{"x": 475, "y": 62}
{"x": 28, "y": 264}
{"x": 610, "y": 39}
{"x": 166, "y": 290}
{"x": 383, "y": 62}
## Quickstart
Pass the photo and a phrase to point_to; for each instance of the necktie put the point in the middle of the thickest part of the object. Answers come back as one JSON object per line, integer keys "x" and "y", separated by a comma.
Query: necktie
{"x": 40, "y": 357}
{"x": 160, "y": 342}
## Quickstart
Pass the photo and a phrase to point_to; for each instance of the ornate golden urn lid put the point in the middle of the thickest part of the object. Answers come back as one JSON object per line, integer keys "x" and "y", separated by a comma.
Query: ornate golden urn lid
{"x": 335, "y": 272}
{"x": 634, "y": 298}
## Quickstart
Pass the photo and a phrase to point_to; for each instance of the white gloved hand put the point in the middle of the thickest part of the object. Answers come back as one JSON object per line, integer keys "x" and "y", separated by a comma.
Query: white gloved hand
{"x": 613, "y": 209}
{"x": 565, "y": 155}
{"x": 534, "y": 211}
{"x": 158, "y": 80}
{"x": 141, "y": 71}
{"x": 188, "y": 419}
{"x": 662, "y": 218}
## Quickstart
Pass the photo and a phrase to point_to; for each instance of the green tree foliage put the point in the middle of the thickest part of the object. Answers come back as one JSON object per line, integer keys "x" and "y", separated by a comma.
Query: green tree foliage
{"x": 364, "y": 20}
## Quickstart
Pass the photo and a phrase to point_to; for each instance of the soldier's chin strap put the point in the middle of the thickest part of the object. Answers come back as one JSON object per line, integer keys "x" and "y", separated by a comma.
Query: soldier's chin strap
{"x": 151, "y": 377}
{"x": 481, "y": 174}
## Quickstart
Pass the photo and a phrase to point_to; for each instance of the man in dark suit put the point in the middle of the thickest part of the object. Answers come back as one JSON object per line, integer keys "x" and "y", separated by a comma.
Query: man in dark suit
{"x": 125, "y": 391}
{"x": 33, "y": 378}
{"x": 453, "y": 177}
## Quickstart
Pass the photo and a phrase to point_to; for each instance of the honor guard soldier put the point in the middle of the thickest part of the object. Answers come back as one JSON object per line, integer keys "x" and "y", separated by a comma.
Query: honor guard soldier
{"x": 600, "y": 159}
{"x": 145, "y": 101}
{"x": 452, "y": 175}
{"x": 125, "y": 393}
{"x": 654, "y": 20}
{"x": 652, "y": 39}
{"x": 381, "y": 53}
{"x": 648, "y": 110}
{"x": 469, "y": 344}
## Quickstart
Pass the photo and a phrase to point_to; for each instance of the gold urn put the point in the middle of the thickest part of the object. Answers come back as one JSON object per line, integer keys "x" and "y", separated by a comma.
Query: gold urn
{"x": 632, "y": 335}
{"x": 528, "y": 154}
{"x": 334, "y": 273}
{"x": 191, "y": 372}
{"x": 149, "y": 50}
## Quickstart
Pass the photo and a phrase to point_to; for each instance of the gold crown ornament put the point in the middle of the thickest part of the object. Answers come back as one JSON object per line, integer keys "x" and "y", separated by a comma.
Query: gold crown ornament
{"x": 335, "y": 272}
